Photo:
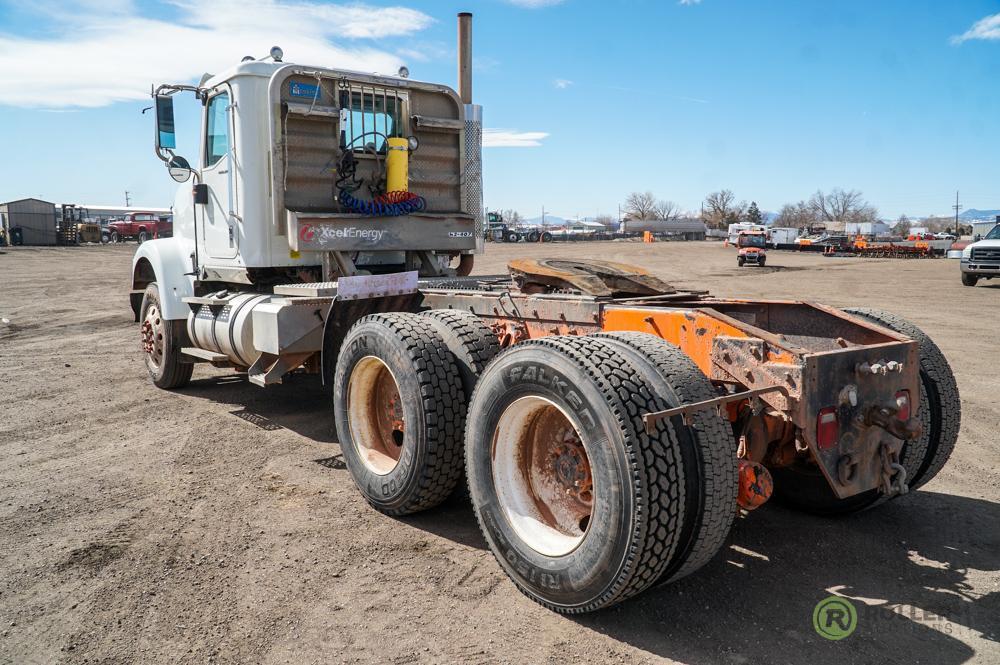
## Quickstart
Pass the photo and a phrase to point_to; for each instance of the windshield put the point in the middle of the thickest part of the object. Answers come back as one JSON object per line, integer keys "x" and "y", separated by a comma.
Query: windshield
{"x": 994, "y": 234}
{"x": 751, "y": 241}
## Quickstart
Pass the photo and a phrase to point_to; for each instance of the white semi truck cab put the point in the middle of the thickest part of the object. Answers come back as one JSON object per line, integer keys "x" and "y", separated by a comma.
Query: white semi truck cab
{"x": 307, "y": 176}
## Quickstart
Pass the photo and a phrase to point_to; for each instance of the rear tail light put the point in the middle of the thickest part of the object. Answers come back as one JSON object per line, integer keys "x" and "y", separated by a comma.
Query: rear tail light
{"x": 903, "y": 405}
{"x": 827, "y": 428}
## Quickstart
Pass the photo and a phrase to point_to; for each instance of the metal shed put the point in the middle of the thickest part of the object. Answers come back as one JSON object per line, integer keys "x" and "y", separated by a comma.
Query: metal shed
{"x": 31, "y": 220}
{"x": 982, "y": 227}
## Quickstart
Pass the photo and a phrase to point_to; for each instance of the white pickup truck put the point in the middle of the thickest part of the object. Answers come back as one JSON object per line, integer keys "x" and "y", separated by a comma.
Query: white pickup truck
{"x": 981, "y": 259}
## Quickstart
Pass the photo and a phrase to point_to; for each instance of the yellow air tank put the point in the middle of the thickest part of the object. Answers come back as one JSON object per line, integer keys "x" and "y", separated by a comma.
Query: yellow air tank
{"x": 397, "y": 165}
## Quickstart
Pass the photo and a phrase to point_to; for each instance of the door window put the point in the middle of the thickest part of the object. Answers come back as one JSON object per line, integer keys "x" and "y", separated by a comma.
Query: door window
{"x": 217, "y": 136}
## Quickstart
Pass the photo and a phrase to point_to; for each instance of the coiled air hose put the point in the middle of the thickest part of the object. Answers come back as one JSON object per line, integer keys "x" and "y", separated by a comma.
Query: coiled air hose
{"x": 390, "y": 204}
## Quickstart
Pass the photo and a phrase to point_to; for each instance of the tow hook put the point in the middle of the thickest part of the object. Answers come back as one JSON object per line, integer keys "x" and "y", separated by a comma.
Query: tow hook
{"x": 893, "y": 474}
{"x": 886, "y": 418}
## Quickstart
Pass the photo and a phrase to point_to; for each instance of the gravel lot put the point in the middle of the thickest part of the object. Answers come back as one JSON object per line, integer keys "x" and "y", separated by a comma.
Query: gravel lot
{"x": 219, "y": 523}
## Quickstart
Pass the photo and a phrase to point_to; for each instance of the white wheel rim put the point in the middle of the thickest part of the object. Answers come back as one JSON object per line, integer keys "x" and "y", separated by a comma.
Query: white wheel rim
{"x": 542, "y": 476}
{"x": 375, "y": 415}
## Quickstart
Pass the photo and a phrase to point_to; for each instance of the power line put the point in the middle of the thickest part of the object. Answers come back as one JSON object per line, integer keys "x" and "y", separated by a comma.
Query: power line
{"x": 957, "y": 207}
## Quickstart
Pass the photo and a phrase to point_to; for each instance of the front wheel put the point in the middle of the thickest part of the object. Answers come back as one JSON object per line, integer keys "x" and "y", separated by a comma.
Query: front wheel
{"x": 761, "y": 261}
{"x": 969, "y": 279}
{"x": 546, "y": 236}
{"x": 143, "y": 237}
{"x": 161, "y": 343}
{"x": 740, "y": 261}
{"x": 114, "y": 237}
{"x": 105, "y": 238}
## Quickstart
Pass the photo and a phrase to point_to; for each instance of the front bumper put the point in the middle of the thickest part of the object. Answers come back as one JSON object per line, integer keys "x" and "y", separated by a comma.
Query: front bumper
{"x": 977, "y": 267}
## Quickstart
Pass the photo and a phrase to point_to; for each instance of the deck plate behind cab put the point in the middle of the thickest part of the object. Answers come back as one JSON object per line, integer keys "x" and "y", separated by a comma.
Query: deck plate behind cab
{"x": 595, "y": 278}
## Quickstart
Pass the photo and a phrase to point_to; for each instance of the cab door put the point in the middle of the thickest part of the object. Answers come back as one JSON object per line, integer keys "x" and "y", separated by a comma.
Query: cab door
{"x": 219, "y": 230}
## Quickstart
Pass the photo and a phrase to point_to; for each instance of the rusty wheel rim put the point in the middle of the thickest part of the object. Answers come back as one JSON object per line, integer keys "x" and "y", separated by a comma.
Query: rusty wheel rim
{"x": 542, "y": 475}
{"x": 152, "y": 336}
{"x": 375, "y": 415}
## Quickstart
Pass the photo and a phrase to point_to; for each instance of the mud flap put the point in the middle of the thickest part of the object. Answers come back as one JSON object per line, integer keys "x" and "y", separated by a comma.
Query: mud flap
{"x": 345, "y": 313}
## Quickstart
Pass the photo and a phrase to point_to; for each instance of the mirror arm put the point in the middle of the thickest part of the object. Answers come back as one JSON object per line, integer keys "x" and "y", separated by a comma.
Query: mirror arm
{"x": 169, "y": 89}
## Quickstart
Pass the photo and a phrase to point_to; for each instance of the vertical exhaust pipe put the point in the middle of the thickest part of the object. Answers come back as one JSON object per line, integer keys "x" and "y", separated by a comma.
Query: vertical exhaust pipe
{"x": 472, "y": 177}
{"x": 465, "y": 57}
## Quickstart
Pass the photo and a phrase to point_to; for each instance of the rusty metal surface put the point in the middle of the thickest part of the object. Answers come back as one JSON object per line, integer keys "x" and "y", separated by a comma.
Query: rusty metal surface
{"x": 836, "y": 379}
{"x": 793, "y": 358}
{"x": 592, "y": 277}
{"x": 650, "y": 419}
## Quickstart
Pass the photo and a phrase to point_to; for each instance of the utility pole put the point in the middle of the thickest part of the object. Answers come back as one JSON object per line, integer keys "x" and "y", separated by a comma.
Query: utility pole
{"x": 128, "y": 201}
{"x": 543, "y": 215}
{"x": 957, "y": 207}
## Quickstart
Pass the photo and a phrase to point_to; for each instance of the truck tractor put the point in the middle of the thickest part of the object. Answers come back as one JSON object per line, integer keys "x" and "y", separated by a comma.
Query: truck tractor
{"x": 981, "y": 259}
{"x": 609, "y": 425}
{"x": 752, "y": 248}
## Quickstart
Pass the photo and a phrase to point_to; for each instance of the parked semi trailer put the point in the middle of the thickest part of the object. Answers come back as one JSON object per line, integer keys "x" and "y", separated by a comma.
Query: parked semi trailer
{"x": 610, "y": 426}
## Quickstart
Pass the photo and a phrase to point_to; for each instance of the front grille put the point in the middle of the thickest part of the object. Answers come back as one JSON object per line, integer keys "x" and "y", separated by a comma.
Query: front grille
{"x": 986, "y": 253}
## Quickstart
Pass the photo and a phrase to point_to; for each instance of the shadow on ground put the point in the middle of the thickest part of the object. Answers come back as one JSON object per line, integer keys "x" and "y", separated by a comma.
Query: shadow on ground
{"x": 299, "y": 403}
{"x": 906, "y": 564}
{"x": 909, "y": 559}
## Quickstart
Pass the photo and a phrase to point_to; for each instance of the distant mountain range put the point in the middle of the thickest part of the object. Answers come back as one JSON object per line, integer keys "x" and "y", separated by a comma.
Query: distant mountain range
{"x": 973, "y": 213}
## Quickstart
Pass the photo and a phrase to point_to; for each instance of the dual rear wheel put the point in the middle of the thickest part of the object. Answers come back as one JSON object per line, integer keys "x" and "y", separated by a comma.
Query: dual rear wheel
{"x": 581, "y": 506}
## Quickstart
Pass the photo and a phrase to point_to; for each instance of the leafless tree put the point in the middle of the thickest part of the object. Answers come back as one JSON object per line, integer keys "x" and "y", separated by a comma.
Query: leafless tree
{"x": 667, "y": 210}
{"x": 937, "y": 224}
{"x": 511, "y": 217}
{"x": 606, "y": 220}
{"x": 721, "y": 209}
{"x": 641, "y": 205}
{"x": 902, "y": 227}
{"x": 842, "y": 206}
{"x": 796, "y": 216}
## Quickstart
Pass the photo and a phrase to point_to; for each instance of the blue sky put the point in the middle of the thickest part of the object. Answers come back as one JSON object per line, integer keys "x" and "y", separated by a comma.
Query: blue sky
{"x": 587, "y": 100}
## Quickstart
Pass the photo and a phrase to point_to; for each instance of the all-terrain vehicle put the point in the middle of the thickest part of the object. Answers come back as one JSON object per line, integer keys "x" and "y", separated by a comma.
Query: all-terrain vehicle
{"x": 752, "y": 248}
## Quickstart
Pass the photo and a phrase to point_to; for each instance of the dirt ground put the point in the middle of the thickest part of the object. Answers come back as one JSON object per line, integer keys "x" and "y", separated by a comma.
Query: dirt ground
{"x": 219, "y": 523}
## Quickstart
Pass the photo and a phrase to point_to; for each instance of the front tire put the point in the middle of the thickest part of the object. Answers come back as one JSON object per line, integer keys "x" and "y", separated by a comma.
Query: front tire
{"x": 161, "y": 343}
{"x": 115, "y": 237}
{"x": 740, "y": 261}
{"x": 969, "y": 279}
{"x": 143, "y": 237}
{"x": 400, "y": 412}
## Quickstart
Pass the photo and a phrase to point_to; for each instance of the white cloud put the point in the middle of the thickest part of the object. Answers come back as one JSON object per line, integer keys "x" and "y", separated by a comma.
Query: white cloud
{"x": 509, "y": 138}
{"x": 689, "y": 2}
{"x": 97, "y": 56}
{"x": 535, "y": 4}
{"x": 562, "y": 84}
{"x": 984, "y": 28}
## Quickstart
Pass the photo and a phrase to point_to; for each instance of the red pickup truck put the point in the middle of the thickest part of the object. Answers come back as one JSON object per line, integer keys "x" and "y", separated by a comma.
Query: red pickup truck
{"x": 141, "y": 226}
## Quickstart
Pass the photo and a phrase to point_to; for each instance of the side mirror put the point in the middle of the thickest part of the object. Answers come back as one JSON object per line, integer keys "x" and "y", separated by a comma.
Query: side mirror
{"x": 165, "y": 136}
{"x": 179, "y": 169}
